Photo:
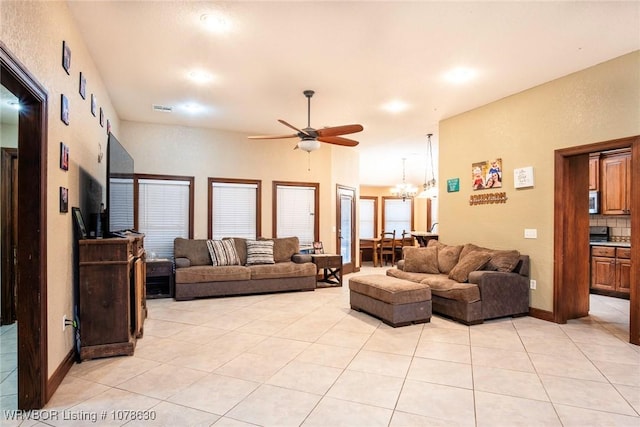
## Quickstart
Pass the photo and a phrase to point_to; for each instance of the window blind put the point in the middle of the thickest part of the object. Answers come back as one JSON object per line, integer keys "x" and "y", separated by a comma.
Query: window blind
{"x": 163, "y": 214}
{"x": 234, "y": 210}
{"x": 397, "y": 216}
{"x": 367, "y": 216}
{"x": 120, "y": 202}
{"x": 296, "y": 213}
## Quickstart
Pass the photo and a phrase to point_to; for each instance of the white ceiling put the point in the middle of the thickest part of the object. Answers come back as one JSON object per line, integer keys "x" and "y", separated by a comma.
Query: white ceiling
{"x": 356, "y": 55}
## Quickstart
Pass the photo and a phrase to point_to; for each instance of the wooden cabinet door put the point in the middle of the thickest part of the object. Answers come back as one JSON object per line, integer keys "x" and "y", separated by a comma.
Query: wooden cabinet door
{"x": 603, "y": 273}
{"x": 616, "y": 184}
{"x": 623, "y": 275}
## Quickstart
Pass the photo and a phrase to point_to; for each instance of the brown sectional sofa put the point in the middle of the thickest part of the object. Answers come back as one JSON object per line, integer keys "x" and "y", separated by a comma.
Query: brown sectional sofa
{"x": 469, "y": 283}
{"x": 196, "y": 276}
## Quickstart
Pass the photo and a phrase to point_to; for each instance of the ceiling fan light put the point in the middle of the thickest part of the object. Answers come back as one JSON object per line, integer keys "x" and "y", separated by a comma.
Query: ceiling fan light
{"x": 309, "y": 145}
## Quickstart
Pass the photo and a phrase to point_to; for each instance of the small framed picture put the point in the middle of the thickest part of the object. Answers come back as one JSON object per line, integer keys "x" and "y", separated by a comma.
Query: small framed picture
{"x": 523, "y": 177}
{"x": 83, "y": 86}
{"x": 101, "y": 117}
{"x": 64, "y": 200}
{"x": 64, "y": 156}
{"x": 317, "y": 248}
{"x": 108, "y": 127}
{"x": 64, "y": 109}
{"x": 79, "y": 223}
{"x": 94, "y": 105}
{"x": 66, "y": 57}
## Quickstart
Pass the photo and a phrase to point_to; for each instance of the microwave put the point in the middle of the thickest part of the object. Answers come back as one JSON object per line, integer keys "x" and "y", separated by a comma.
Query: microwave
{"x": 594, "y": 206}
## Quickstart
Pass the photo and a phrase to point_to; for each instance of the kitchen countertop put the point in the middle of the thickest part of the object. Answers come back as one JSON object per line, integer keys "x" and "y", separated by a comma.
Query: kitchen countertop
{"x": 617, "y": 244}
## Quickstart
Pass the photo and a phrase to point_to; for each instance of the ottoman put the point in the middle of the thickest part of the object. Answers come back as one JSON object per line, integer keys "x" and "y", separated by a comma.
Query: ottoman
{"x": 396, "y": 302}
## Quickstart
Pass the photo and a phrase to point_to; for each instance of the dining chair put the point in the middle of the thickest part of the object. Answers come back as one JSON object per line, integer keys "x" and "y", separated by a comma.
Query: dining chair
{"x": 387, "y": 247}
{"x": 406, "y": 240}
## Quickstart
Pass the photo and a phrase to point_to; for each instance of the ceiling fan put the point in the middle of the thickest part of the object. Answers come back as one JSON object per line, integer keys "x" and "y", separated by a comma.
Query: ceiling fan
{"x": 310, "y": 138}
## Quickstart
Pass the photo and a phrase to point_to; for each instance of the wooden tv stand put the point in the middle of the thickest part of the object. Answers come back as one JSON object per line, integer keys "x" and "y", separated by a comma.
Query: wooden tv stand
{"x": 112, "y": 295}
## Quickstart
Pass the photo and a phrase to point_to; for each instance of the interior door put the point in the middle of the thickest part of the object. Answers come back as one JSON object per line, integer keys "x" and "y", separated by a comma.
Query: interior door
{"x": 9, "y": 234}
{"x": 346, "y": 233}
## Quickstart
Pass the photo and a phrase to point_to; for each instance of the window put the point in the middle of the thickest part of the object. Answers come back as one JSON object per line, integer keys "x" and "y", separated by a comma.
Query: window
{"x": 165, "y": 211}
{"x": 296, "y": 206}
{"x": 368, "y": 217}
{"x": 397, "y": 215}
{"x": 234, "y": 208}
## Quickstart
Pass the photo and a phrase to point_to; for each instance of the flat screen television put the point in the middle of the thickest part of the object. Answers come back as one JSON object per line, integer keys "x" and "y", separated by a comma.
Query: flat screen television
{"x": 119, "y": 216}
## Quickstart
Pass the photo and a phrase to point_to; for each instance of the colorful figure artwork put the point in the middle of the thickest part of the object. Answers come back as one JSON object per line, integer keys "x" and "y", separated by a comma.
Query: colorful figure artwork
{"x": 487, "y": 174}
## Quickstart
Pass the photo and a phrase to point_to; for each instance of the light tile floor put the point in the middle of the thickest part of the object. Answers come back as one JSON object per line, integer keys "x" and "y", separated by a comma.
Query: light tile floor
{"x": 306, "y": 359}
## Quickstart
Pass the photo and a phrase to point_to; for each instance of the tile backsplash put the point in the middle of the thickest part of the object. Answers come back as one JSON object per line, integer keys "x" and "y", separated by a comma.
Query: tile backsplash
{"x": 619, "y": 226}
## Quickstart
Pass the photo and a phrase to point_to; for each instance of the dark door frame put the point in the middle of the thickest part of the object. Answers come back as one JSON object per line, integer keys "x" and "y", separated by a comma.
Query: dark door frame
{"x": 8, "y": 157}
{"x": 340, "y": 189}
{"x": 32, "y": 226}
{"x": 568, "y": 290}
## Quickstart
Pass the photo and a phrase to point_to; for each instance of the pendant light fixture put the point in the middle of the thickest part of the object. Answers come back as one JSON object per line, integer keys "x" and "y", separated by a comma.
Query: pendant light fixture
{"x": 429, "y": 188}
{"x": 404, "y": 190}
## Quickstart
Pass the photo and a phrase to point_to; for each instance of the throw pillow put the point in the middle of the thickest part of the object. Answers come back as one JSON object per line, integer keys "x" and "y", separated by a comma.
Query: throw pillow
{"x": 420, "y": 260}
{"x": 503, "y": 261}
{"x": 259, "y": 252}
{"x": 447, "y": 255}
{"x": 471, "y": 262}
{"x": 223, "y": 252}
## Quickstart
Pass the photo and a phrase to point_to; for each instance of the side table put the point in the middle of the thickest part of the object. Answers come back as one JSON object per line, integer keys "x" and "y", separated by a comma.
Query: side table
{"x": 332, "y": 269}
{"x": 160, "y": 278}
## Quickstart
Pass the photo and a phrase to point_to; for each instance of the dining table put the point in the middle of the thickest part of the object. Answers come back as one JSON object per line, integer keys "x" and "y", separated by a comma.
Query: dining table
{"x": 423, "y": 237}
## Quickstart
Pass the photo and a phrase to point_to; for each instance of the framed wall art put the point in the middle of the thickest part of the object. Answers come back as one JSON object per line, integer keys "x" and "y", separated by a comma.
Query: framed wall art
{"x": 523, "y": 177}
{"x": 66, "y": 57}
{"x": 94, "y": 105}
{"x": 64, "y": 156}
{"x": 64, "y": 200}
{"x": 83, "y": 86}
{"x": 64, "y": 109}
{"x": 486, "y": 174}
{"x": 101, "y": 117}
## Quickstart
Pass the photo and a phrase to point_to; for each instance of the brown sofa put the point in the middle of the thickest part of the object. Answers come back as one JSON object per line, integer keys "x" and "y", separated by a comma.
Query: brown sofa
{"x": 469, "y": 283}
{"x": 196, "y": 276}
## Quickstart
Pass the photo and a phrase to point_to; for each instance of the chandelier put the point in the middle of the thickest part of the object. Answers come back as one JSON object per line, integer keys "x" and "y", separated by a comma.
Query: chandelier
{"x": 430, "y": 187}
{"x": 404, "y": 190}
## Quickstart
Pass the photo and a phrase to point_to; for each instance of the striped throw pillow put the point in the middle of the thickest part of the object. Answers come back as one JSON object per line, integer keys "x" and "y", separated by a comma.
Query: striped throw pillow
{"x": 223, "y": 252}
{"x": 259, "y": 252}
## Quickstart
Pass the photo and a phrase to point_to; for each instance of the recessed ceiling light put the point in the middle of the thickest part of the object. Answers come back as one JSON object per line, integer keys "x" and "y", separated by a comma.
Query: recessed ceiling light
{"x": 216, "y": 23}
{"x": 193, "y": 108}
{"x": 460, "y": 75}
{"x": 395, "y": 106}
{"x": 199, "y": 76}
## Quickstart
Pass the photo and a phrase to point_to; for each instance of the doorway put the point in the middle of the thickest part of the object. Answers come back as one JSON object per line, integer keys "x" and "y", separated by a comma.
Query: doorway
{"x": 9, "y": 243}
{"x": 571, "y": 243}
{"x": 31, "y": 255}
{"x": 346, "y": 219}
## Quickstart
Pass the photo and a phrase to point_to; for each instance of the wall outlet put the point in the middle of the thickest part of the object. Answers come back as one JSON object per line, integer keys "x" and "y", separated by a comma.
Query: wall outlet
{"x": 64, "y": 322}
{"x": 530, "y": 233}
{"x": 532, "y": 284}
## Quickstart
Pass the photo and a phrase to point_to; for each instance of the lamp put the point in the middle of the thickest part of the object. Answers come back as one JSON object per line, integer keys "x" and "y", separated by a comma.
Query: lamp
{"x": 429, "y": 188}
{"x": 404, "y": 190}
{"x": 308, "y": 144}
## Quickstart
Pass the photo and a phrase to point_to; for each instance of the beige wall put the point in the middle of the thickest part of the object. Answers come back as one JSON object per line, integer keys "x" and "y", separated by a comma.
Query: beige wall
{"x": 597, "y": 104}
{"x": 33, "y": 32}
{"x": 205, "y": 153}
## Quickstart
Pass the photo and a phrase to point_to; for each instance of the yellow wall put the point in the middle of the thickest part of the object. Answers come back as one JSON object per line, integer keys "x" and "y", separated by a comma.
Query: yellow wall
{"x": 597, "y": 104}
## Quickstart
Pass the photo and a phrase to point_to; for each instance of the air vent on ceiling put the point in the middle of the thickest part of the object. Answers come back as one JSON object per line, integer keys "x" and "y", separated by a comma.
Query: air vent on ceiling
{"x": 162, "y": 108}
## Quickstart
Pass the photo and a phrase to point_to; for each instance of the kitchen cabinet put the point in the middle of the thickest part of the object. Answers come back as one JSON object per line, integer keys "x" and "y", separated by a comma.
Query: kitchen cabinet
{"x": 594, "y": 172}
{"x": 611, "y": 270}
{"x": 615, "y": 181}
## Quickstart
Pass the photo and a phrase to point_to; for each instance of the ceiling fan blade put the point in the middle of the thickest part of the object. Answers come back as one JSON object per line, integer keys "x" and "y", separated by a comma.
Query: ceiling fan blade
{"x": 294, "y": 135}
{"x": 339, "y": 130}
{"x": 293, "y": 127}
{"x": 338, "y": 140}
